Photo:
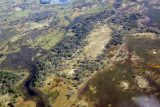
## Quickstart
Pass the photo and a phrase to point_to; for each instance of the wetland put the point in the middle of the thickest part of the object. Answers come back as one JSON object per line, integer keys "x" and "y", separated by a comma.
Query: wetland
{"x": 124, "y": 82}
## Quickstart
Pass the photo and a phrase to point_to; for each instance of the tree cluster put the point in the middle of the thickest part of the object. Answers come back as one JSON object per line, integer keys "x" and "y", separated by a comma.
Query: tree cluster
{"x": 117, "y": 3}
{"x": 8, "y": 81}
{"x": 128, "y": 21}
{"x": 69, "y": 45}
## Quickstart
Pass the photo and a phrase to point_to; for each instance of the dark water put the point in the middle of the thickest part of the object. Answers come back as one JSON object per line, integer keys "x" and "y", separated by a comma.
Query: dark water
{"x": 1, "y": 55}
{"x": 21, "y": 60}
{"x": 30, "y": 92}
{"x": 76, "y": 20}
{"x": 27, "y": 84}
{"x": 61, "y": 2}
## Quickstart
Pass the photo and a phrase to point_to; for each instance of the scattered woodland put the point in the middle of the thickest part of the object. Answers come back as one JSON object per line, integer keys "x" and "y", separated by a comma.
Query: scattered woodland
{"x": 54, "y": 44}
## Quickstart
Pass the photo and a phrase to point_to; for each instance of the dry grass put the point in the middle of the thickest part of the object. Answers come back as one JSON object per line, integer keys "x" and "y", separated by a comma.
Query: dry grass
{"x": 41, "y": 24}
{"x": 21, "y": 81}
{"x": 97, "y": 40}
{"x": 15, "y": 38}
{"x": 22, "y": 103}
{"x": 5, "y": 99}
{"x": 57, "y": 84}
{"x": 145, "y": 34}
{"x": 4, "y": 50}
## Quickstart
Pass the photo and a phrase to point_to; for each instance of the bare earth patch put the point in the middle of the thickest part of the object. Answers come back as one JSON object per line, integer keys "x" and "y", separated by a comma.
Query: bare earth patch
{"x": 124, "y": 85}
{"x": 97, "y": 40}
{"x": 22, "y": 103}
{"x": 5, "y": 99}
{"x": 141, "y": 82}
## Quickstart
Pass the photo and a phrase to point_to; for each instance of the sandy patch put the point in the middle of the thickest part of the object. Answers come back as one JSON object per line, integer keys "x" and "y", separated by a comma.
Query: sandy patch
{"x": 124, "y": 85}
{"x": 71, "y": 72}
{"x": 97, "y": 40}
{"x": 17, "y": 9}
{"x": 93, "y": 89}
{"x": 22, "y": 103}
{"x": 141, "y": 82}
{"x": 5, "y": 99}
{"x": 15, "y": 38}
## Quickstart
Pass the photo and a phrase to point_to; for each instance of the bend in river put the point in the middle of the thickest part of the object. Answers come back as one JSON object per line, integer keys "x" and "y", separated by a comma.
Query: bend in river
{"x": 22, "y": 60}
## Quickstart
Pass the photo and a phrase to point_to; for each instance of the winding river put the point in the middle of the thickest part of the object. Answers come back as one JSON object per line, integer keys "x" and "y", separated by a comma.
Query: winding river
{"x": 31, "y": 93}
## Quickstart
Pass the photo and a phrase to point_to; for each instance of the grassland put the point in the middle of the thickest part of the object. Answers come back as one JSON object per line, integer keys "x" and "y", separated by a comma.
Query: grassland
{"x": 7, "y": 34}
{"x": 90, "y": 51}
{"x": 22, "y": 103}
{"x": 42, "y": 27}
{"x": 146, "y": 48}
{"x": 35, "y": 38}
{"x": 97, "y": 40}
{"x": 106, "y": 89}
{"x": 19, "y": 58}
{"x": 49, "y": 40}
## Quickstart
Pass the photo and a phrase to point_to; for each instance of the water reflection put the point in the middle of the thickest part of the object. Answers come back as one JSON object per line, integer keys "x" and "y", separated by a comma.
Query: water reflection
{"x": 147, "y": 101}
{"x": 61, "y": 2}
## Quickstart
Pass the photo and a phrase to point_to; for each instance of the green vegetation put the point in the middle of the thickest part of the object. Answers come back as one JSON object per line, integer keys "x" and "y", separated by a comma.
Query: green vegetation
{"x": 8, "y": 81}
{"x": 7, "y": 33}
{"x": 77, "y": 2}
{"x": 20, "y": 60}
{"x": 69, "y": 45}
{"x": 106, "y": 85}
{"x": 21, "y": 14}
{"x": 50, "y": 40}
{"x": 52, "y": 96}
{"x": 107, "y": 89}
{"x": 117, "y": 3}
{"x": 55, "y": 38}
{"x": 145, "y": 48}
{"x": 128, "y": 21}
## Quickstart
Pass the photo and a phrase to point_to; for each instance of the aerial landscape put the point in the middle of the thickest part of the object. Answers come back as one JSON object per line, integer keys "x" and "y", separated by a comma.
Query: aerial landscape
{"x": 79, "y": 53}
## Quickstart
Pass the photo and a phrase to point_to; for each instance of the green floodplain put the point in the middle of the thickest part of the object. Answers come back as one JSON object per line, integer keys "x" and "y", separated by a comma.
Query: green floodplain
{"x": 89, "y": 53}
{"x": 118, "y": 85}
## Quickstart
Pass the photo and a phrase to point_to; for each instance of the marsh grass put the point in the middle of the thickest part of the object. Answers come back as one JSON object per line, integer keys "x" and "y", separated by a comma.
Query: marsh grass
{"x": 144, "y": 48}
